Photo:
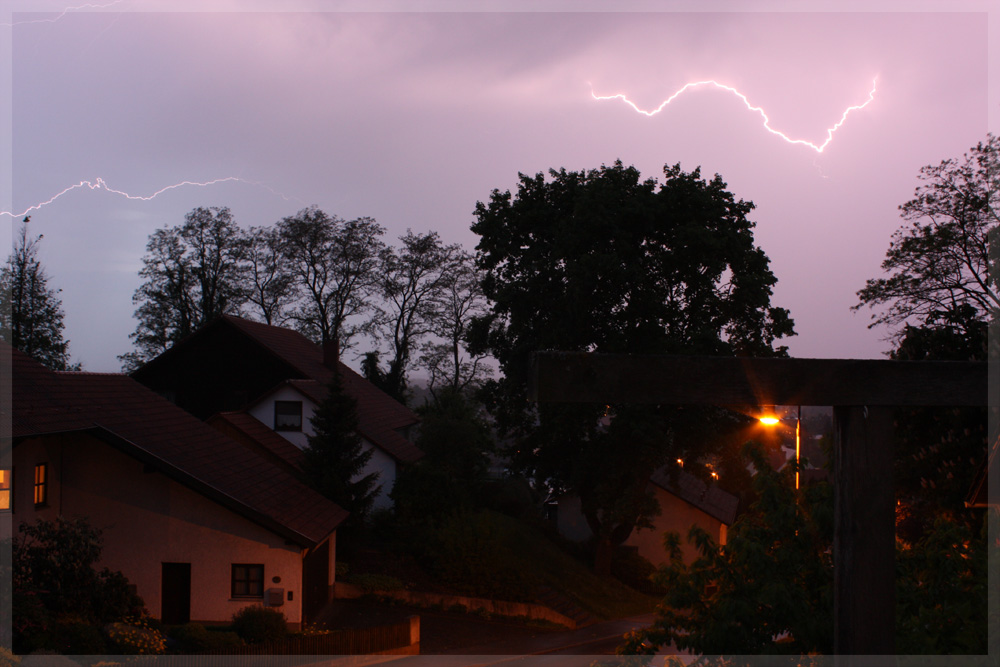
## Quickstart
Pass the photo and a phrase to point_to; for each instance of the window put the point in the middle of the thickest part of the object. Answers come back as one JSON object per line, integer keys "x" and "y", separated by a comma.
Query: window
{"x": 248, "y": 581}
{"x": 288, "y": 415}
{"x": 41, "y": 485}
{"x": 5, "y": 477}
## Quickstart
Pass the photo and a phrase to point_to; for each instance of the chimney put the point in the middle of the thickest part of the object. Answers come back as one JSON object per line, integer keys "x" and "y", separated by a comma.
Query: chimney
{"x": 331, "y": 353}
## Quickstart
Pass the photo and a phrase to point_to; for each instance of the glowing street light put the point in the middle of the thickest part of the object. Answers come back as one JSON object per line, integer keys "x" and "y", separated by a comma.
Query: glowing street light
{"x": 769, "y": 419}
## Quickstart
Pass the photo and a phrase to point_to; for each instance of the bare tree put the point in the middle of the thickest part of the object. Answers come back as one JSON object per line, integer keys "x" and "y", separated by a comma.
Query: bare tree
{"x": 413, "y": 280}
{"x": 271, "y": 287}
{"x": 460, "y": 299}
{"x": 334, "y": 265}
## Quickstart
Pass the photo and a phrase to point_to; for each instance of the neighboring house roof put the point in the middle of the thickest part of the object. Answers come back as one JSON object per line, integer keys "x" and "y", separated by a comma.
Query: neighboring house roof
{"x": 249, "y": 430}
{"x": 710, "y": 499}
{"x": 376, "y": 423}
{"x": 380, "y": 416}
{"x": 137, "y": 421}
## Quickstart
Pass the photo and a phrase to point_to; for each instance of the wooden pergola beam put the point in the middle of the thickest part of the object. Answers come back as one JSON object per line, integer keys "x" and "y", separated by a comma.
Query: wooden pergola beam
{"x": 581, "y": 377}
{"x": 863, "y": 394}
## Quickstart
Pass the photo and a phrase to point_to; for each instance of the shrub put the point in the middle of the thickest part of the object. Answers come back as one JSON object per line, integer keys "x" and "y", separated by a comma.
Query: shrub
{"x": 195, "y": 638}
{"x": 475, "y": 553}
{"x": 8, "y": 659}
{"x": 136, "y": 636}
{"x": 635, "y": 571}
{"x": 74, "y": 637}
{"x": 257, "y": 624}
{"x": 373, "y": 583}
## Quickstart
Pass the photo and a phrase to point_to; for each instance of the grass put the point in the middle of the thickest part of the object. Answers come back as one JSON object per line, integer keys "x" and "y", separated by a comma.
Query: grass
{"x": 548, "y": 564}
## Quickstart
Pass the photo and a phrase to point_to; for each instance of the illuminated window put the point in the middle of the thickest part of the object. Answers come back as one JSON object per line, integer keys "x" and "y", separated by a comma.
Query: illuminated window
{"x": 41, "y": 485}
{"x": 248, "y": 581}
{"x": 5, "y": 476}
{"x": 288, "y": 415}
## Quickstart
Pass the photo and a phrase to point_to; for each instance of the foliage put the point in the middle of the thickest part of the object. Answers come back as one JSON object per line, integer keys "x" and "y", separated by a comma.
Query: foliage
{"x": 942, "y": 591}
{"x": 31, "y": 315}
{"x": 333, "y": 263}
{"x": 271, "y": 287}
{"x": 601, "y": 261}
{"x": 476, "y": 553}
{"x": 447, "y": 360}
{"x": 411, "y": 281}
{"x": 192, "y": 273}
{"x": 7, "y": 658}
{"x": 940, "y": 264}
{"x": 136, "y": 636}
{"x": 335, "y": 458}
{"x": 371, "y": 582}
{"x": 774, "y": 576}
{"x": 56, "y": 584}
{"x": 456, "y": 441}
{"x": 939, "y": 296}
{"x": 257, "y": 624}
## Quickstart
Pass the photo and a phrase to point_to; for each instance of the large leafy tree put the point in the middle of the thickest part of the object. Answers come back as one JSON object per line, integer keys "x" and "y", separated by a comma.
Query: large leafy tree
{"x": 938, "y": 297}
{"x": 939, "y": 264}
{"x": 192, "y": 274}
{"x": 604, "y": 261}
{"x": 31, "y": 315}
{"x": 334, "y": 264}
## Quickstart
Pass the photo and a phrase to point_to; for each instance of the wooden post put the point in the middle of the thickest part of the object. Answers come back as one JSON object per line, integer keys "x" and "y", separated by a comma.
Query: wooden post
{"x": 864, "y": 532}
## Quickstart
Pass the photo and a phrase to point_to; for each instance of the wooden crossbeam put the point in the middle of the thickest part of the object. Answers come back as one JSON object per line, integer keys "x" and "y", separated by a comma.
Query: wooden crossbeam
{"x": 572, "y": 377}
{"x": 862, "y": 393}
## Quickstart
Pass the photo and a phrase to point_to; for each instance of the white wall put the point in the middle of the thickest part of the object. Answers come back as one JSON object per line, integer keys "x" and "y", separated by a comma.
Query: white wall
{"x": 380, "y": 462}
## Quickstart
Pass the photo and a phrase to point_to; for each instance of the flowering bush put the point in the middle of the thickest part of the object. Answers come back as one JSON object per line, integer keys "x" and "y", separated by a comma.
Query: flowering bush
{"x": 135, "y": 636}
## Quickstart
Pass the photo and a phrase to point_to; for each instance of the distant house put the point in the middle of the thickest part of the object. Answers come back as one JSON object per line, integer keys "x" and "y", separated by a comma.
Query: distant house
{"x": 685, "y": 501}
{"x": 278, "y": 377}
{"x": 201, "y": 524}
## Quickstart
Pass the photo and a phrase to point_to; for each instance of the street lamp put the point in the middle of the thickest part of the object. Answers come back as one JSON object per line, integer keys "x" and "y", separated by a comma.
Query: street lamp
{"x": 769, "y": 419}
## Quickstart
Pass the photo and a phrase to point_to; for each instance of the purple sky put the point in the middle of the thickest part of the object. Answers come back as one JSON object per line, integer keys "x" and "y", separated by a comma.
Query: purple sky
{"x": 411, "y": 118}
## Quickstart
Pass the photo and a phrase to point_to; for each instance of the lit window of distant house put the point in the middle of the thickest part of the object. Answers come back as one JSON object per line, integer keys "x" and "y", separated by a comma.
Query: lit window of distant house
{"x": 248, "y": 581}
{"x": 5, "y": 477}
{"x": 288, "y": 415}
{"x": 41, "y": 484}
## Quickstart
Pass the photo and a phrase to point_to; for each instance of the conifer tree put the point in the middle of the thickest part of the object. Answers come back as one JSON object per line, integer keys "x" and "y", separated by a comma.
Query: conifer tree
{"x": 335, "y": 459}
{"x": 31, "y": 315}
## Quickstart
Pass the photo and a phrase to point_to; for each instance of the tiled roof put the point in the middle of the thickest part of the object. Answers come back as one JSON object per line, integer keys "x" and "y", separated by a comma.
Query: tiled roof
{"x": 379, "y": 414}
{"x": 710, "y": 499}
{"x": 376, "y": 423}
{"x": 248, "y": 429}
{"x": 136, "y": 420}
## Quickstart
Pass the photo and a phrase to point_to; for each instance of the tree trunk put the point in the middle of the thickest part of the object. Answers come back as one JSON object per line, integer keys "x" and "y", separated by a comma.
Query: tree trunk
{"x": 602, "y": 556}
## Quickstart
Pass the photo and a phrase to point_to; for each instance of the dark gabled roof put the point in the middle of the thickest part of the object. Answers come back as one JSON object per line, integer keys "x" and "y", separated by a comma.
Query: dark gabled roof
{"x": 710, "y": 499}
{"x": 375, "y": 424}
{"x": 137, "y": 421}
{"x": 246, "y": 428}
{"x": 381, "y": 417}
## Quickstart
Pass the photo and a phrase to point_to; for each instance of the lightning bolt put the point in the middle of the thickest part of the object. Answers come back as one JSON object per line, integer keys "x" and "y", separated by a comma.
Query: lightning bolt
{"x": 767, "y": 121}
{"x": 63, "y": 13}
{"x": 100, "y": 184}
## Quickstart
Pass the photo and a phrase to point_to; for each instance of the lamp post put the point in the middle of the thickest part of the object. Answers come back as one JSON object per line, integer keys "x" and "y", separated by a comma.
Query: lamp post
{"x": 770, "y": 419}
